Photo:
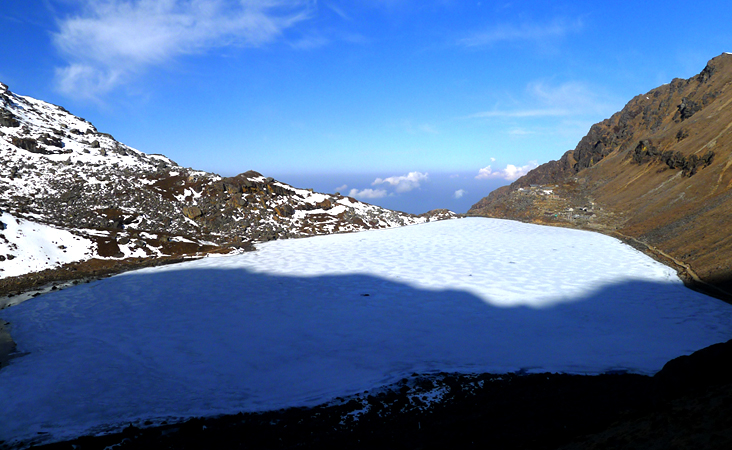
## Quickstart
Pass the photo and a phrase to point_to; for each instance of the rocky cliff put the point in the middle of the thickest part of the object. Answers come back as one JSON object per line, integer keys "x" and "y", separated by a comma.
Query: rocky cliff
{"x": 656, "y": 173}
{"x": 73, "y": 199}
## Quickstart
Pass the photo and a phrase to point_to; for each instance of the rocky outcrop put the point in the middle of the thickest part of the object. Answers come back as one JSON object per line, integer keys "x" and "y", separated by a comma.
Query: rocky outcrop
{"x": 656, "y": 173}
{"x": 708, "y": 367}
{"x": 7, "y": 119}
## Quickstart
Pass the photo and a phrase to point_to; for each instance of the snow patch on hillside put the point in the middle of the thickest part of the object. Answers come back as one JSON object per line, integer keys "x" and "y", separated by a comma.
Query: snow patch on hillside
{"x": 27, "y": 246}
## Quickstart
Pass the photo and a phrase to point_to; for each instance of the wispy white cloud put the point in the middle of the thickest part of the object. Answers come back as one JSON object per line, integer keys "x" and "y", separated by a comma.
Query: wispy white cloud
{"x": 565, "y": 100}
{"x": 341, "y": 188}
{"x": 459, "y": 193}
{"x": 558, "y": 28}
{"x": 520, "y": 132}
{"x": 310, "y": 42}
{"x": 339, "y": 11}
{"x": 521, "y": 113}
{"x": 403, "y": 183}
{"x": 510, "y": 173}
{"x": 368, "y": 193}
{"x": 573, "y": 96}
{"x": 418, "y": 129}
{"x": 427, "y": 128}
{"x": 109, "y": 42}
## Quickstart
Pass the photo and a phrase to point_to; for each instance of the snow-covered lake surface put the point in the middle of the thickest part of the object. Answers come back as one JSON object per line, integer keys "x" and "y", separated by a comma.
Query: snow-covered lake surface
{"x": 300, "y": 322}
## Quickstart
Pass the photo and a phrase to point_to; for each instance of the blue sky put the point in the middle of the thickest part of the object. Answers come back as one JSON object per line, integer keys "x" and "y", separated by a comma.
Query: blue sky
{"x": 407, "y": 104}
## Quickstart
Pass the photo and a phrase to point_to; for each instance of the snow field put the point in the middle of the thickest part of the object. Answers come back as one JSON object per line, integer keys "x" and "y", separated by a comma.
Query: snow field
{"x": 300, "y": 322}
{"x": 35, "y": 246}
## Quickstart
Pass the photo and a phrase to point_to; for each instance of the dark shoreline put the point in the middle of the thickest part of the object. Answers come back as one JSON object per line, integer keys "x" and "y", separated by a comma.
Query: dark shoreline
{"x": 680, "y": 407}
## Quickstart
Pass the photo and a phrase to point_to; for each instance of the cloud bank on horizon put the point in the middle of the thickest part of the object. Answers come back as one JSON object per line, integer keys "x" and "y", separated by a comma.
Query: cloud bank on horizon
{"x": 399, "y": 183}
{"x": 510, "y": 173}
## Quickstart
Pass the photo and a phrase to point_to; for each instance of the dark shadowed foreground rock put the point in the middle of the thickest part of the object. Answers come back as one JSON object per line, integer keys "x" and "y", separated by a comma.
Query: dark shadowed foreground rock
{"x": 7, "y": 346}
{"x": 708, "y": 367}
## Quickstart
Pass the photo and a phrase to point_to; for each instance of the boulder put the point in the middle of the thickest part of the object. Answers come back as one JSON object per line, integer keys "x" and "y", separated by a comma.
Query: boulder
{"x": 7, "y": 345}
{"x": 239, "y": 200}
{"x": 51, "y": 140}
{"x": 7, "y": 119}
{"x": 232, "y": 188}
{"x": 688, "y": 108}
{"x": 284, "y": 210}
{"x": 25, "y": 143}
{"x": 707, "y": 367}
{"x": 192, "y": 212}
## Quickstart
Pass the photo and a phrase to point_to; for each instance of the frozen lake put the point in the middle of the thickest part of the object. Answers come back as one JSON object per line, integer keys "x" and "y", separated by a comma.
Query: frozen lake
{"x": 300, "y": 322}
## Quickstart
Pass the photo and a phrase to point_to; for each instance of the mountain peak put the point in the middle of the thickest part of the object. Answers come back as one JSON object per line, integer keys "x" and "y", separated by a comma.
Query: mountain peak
{"x": 655, "y": 173}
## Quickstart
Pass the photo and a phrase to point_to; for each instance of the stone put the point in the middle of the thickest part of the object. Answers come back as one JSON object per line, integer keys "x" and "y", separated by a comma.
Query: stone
{"x": 706, "y": 367}
{"x": 688, "y": 108}
{"x": 239, "y": 200}
{"x": 192, "y": 212}
{"x": 50, "y": 140}
{"x": 25, "y": 143}
{"x": 284, "y": 210}
{"x": 232, "y": 188}
{"x": 7, "y": 119}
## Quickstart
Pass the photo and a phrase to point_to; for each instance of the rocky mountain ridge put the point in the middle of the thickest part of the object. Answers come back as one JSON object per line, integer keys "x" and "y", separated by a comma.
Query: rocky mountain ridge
{"x": 119, "y": 206}
{"x": 656, "y": 174}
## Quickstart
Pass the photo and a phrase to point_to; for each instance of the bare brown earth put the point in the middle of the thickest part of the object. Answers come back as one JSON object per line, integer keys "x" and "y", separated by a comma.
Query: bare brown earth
{"x": 656, "y": 174}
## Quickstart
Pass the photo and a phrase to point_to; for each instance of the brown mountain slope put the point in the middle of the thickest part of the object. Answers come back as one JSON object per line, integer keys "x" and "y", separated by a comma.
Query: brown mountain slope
{"x": 658, "y": 173}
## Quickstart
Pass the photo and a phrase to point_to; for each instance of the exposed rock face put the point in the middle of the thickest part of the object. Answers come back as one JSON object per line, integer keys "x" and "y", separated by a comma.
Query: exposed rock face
{"x": 704, "y": 368}
{"x": 58, "y": 170}
{"x": 657, "y": 172}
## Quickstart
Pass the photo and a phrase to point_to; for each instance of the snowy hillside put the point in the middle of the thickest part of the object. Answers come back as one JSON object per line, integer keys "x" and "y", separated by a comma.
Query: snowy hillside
{"x": 56, "y": 169}
{"x": 300, "y": 322}
{"x": 43, "y": 246}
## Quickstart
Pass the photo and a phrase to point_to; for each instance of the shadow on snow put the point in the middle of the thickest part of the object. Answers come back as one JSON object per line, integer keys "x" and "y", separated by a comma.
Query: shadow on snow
{"x": 190, "y": 342}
